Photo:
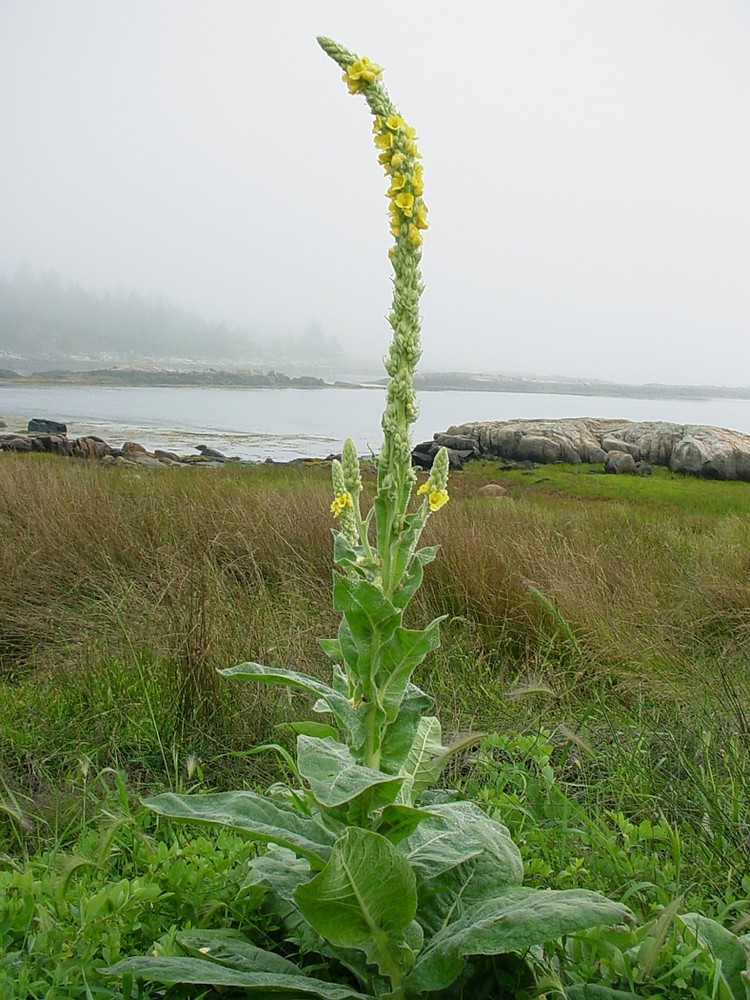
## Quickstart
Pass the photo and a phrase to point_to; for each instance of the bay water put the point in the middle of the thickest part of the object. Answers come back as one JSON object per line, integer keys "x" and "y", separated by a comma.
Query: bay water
{"x": 283, "y": 424}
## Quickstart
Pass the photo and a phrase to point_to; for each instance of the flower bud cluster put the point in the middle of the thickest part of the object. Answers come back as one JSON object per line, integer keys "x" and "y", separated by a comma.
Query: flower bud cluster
{"x": 350, "y": 466}
{"x": 342, "y": 506}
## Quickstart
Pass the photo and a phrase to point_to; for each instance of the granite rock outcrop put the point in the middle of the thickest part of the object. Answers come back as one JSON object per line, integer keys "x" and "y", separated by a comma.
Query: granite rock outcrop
{"x": 711, "y": 452}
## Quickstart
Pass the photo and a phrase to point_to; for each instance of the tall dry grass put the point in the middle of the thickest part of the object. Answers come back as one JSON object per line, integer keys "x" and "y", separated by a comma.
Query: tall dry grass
{"x": 124, "y": 591}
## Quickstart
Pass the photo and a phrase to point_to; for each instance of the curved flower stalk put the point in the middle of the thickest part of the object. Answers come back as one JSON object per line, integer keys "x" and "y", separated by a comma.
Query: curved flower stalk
{"x": 401, "y": 896}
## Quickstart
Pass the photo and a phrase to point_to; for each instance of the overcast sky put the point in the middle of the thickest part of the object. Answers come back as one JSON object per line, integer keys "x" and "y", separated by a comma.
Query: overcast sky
{"x": 586, "y": 162}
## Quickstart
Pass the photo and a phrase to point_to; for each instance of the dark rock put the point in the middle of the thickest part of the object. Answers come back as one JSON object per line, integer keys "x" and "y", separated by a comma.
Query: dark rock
{"x": 47, "y": 426}
{"x": 459, "y": 442}
{"x": 422, "y": 459}
{"x": 7, "y": 373}
{"x": 207, "y": 452}
{"x": 133, "y": 448}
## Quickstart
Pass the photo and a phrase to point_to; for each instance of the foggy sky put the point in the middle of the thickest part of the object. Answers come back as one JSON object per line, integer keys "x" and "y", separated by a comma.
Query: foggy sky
{"x": 586, "y": 162}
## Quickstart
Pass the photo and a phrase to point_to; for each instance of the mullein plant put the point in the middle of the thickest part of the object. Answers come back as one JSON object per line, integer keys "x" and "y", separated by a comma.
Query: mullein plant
{"x": 381, "y": 885}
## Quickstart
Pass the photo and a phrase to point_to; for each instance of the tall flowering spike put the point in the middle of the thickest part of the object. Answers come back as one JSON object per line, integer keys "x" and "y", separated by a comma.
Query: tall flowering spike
{"x": 395, "y": 141}
{"x": 342, "y": 506}
{"x": 350, "y": 465}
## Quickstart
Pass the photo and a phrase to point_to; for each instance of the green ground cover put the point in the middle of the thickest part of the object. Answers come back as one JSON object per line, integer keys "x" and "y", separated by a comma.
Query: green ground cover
{"x": 598, "y": 627}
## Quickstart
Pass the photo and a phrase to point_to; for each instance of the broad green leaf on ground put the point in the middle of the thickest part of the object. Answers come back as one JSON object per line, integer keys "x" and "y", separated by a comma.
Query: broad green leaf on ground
{"x": 448, "y": 884}
{"x": 730, "y": 959}
{"x": 280, "y": 871}
{"x": 399, "y": 657}
{"x": 263, "y": 819}
{"x": 400, "y": 734}
{"x": 336, "y": 779}
{"x": 233, "y": 950}
{"x": 512, "y": 921}
{"x": 364, "y": 897}
{"x": 195, "y": 970}
{"x": 420, "y": 769}
{"x": 336, "y": 701}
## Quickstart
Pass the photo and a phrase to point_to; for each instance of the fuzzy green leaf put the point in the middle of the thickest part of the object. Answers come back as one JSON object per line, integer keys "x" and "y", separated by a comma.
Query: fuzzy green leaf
{"x": 420, "y": 769}
{"x": 231, "y": 949}
{"x": 195, "y": 970}
{"x": 399, "y": 821}
{"x": 730, "y": 958}
{"x": 412, "y": 578}
{"x": 264, "y": 820}
{"x": 400, "y": 734}
{"x": 509, "y": 921}
{"x": 336, "y": 778}
{"x": 336, "y": 701}
{"x": 398, "y": 659}
{"x": 364, "y": 898}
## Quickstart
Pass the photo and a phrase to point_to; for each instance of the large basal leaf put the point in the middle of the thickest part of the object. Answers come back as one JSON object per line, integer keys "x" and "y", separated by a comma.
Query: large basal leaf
{"x": 446, "y": 888}
{"x": 337, "y": 702}
{"x": 231, "y": 949}
{"x": 399, "y": 657}
{"x": 336, "y": 779}
{"x": 264, "y": 820}
{"x": 731, "y": 961}
{"x": 199, "y": 972}
{"x": 511, "y": 921}
{"x": 364, "y": 898}
{"x": 420, "y": 769}
{"x": 400, "y": 734}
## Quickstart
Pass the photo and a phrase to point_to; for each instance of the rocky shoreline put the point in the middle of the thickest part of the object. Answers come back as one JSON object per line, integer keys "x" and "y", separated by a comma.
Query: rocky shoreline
{"x": 51, "y": 437}
{"x": 623, "y": 446}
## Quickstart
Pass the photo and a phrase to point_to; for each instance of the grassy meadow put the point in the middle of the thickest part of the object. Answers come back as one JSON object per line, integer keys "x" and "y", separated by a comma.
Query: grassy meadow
{"x": 597, "y": 628}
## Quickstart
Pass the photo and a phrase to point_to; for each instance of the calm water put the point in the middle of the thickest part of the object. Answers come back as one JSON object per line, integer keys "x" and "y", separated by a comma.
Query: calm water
{"x": 288, "y": 423}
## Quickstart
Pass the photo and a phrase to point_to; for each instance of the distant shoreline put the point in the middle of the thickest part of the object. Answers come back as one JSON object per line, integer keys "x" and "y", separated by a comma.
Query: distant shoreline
{"x": 428, "y": 382}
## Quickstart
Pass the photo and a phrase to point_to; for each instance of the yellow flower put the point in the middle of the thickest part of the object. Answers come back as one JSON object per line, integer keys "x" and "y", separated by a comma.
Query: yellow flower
{"x": 340, "y": 503}
{"x": 405, "y": 202}
{"x": 385, "y": 159}
{"x": 361, "y": 70}
{"x": 384, "y": 140}
{"x": 353, "y": 85}
{"x": 437, "y": 499}
{"x": 420, "y": 216}
{"x": 394, "y": 122}
{"x": 411, "y": 149}
{"x": 415, "y": 237}
{"x": 397, "y": 182}
{"x": 397, "y": 160}
{"x": 417, "y": 184}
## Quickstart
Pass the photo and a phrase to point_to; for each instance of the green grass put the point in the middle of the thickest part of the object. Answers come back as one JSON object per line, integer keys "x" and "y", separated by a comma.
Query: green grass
{"x": 611, "y": 612}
